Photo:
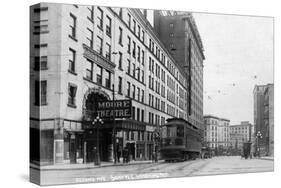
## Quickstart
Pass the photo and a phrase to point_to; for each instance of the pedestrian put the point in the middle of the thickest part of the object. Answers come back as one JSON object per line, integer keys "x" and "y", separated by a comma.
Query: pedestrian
{"x": 118, "y": 153}
{"x": 125, "y": 154}
{"x": 153, "y": 156}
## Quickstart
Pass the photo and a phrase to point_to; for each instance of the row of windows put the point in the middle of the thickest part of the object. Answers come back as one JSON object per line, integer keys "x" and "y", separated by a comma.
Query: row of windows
{"x": 154, "y": 49}
{"x": 138, "y": 135}
{"x": 40, "y": 91}
{"x": 103, "y": 76}
{"x": 137, "y": 93}
{"x": 135, "y": 72}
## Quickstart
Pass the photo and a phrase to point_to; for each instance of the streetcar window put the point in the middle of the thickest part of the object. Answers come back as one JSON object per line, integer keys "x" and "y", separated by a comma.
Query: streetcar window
{"x": 173, "y": 131}
{"x": 180, "y": 131}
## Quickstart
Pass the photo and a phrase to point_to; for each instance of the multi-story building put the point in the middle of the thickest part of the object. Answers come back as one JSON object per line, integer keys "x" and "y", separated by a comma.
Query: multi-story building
{"x": 84, "y": 54}
{"x": 180, "y": 35}
{"x": 239, "y": 134}
{"x": 263, "y": 101}
{"x": 269, "y": 117}
{"x": 216, "y": 133}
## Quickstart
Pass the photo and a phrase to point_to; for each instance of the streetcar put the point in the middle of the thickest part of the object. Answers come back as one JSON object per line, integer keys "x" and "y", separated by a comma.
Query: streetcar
{"x": 180, "y": 141}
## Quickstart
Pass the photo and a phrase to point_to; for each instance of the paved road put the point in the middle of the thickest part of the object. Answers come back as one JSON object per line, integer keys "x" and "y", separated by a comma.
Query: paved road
{"x": 216, "y": 165}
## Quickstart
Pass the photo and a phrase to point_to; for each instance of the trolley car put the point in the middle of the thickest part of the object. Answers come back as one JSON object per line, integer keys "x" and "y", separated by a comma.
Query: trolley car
{"x": 180, "y": 141}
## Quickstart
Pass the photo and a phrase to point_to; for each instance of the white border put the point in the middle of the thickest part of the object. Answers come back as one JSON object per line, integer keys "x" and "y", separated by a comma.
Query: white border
{"x": 14, "y": 93}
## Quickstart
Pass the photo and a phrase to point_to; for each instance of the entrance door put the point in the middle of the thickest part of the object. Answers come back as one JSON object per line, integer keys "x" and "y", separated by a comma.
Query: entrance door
{"x": 132, "y": 150}
{"x": 72, "y": 152}
{"x": 90, "y": 151}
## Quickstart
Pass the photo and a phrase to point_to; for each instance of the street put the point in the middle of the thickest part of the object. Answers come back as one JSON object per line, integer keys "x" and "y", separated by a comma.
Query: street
{"x": 216, "y": 165}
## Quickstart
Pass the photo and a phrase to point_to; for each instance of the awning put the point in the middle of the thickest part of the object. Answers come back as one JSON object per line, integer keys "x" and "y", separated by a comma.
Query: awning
{"x": 124, "y": 124}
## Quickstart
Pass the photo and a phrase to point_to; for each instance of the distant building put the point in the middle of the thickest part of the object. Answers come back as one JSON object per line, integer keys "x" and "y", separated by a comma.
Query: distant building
{"x": 263, "y": 110}
{"x": 239, "y": 134}
{"x": 216, "y": 133}
{"x": 269, "y": 118}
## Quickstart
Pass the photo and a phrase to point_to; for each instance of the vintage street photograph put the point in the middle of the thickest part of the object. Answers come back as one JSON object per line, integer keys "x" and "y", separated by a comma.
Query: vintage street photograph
{"x": 121, "y": 94}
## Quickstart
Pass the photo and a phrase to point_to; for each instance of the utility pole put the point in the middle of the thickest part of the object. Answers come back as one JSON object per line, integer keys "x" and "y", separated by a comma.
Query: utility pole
{"x": 114, "y": 126}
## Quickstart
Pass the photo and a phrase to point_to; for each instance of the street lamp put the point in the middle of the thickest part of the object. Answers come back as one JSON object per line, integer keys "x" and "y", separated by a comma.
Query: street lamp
{"x": 259, "y": 135}
{"x": 98, "y": 122}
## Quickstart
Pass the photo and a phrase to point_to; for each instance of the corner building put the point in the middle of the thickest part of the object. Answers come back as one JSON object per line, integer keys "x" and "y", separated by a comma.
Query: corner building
{"x": 80, "y": 55}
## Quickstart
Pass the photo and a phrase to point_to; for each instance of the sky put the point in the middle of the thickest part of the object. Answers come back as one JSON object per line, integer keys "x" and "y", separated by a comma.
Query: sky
{"x": 239, "y": 54}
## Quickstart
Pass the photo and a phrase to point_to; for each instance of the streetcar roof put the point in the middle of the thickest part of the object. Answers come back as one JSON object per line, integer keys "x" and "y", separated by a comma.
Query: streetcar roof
{"x": 178, "y": 121}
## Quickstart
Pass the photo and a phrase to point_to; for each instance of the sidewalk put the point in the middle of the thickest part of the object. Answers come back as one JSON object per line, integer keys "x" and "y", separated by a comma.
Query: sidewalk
{"x": 85, "y": 166}
{"x": 271, "y": 158}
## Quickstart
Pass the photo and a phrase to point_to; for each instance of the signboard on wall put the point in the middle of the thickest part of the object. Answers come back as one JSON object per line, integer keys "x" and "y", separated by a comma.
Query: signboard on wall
{"x": 117, "y": 109}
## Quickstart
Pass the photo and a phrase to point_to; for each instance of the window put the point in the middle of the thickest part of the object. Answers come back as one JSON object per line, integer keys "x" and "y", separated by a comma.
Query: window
{"x": 134, "y": 49}
{"x": 108, "y": 26}
{"x": 134, "y": 70}
{"x": 128, "y": 89}
{"x": 40, "y": 92}
{"x": 138, "y": 114}
{"x": 138, "y": 31}
{"x": 100, "y": 18}
{"x": 108, "y": 52}
{"x": 120, "y": 41}
{"x": 142, "y": 95}
{"x": 134, "y": 91}
{"x": 138, "y": 54}
{"x": 129, "y": 45}
{"x": 142, "y": 76}
{"x": 107, "y": 79}
{"x": 40, "y": 45}
{"x": 129, "y": 67}
{"x": 89, "y": 70}
{"x": 99, "y": 45}
{"x": 138, "y": 75}
{"x": 142, "y": 115}
{"x": 142, "y": 60}
{"x": 90, "y": 38}
{"x": 120, "y": 61}
{"x": 171, "y": 25}
{"x": 142, "y": 36}
{"x": 37, "y": 10}
{"x": 71, "y": 67}
{"x": 72, "y": 89}
{"x": 91, "y": 15}
{"x": 129, "y": 21}
{"x": 40, "y": 29}
{"x": 138, "y": 94}
{"x": 99, "y": 75}
{"x": 132, "y": 132}
{"x": 40, "y": 63}
{"x": 73, "y": 27}
{"x": 134, "y": 26}
{"x": 120, "y": 85}
{"x": 121, "y": 13}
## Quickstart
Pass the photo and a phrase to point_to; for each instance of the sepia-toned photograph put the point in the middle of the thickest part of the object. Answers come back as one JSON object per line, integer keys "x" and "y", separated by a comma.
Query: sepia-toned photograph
{"x": 120, "y": 94}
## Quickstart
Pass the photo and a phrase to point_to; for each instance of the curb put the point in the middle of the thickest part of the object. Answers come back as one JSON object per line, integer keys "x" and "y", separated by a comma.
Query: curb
{"x": 87, "y": 167}
{"x": 268, "y": 159}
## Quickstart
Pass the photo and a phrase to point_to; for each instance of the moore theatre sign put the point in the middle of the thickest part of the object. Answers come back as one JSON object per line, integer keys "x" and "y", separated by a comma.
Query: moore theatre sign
{"x": 117, "y": 109}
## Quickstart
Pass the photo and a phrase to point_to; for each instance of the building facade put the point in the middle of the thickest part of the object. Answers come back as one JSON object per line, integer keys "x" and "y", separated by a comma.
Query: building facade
{"x": 263, "y": 121}
{"x": 81, "y": 55}
{"x": 269, "y": 117}
{"x": 239, "y": 134}
{"x": 216, "y": 133}
{"x": 180, "y": 35}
